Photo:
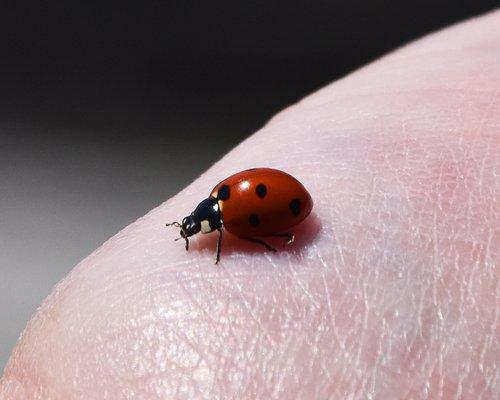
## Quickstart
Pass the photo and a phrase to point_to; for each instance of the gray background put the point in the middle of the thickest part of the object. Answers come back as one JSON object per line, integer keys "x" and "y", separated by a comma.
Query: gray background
{"x": 107, "y": 110}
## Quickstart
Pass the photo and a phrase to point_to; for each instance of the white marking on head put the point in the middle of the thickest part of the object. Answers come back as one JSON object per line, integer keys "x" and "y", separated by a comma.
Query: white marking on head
{"x": 205, "y": 227}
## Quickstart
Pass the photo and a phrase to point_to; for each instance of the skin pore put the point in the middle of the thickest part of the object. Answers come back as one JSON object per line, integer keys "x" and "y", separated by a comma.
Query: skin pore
{"x": 390, "y": 291}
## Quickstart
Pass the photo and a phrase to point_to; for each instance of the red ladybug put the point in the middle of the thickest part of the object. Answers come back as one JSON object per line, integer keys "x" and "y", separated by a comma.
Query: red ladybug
{"x": 253, "y": 203}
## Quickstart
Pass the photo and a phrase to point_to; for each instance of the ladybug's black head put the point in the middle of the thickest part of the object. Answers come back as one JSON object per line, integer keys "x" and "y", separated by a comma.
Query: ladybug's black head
{"x": 205, "y": 218}
{"x": 190, "y": 226}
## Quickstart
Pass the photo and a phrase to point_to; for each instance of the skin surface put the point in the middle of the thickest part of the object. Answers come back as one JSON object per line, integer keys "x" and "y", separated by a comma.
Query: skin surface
{"x": 391, "y": 290}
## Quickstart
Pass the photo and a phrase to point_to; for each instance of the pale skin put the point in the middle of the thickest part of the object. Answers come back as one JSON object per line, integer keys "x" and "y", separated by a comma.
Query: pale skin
{"x": 390, "y": 290}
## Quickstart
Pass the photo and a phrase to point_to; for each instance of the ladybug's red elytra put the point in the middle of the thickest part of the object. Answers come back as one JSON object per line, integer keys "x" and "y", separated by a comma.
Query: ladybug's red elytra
{"x": 253, "y": 203}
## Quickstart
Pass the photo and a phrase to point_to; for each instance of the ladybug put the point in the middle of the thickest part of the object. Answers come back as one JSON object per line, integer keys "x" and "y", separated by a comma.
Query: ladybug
{"x": 254, "y": 203}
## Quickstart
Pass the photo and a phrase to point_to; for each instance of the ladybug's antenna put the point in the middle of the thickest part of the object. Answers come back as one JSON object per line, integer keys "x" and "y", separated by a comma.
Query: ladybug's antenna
{"x": 178, "y": 225}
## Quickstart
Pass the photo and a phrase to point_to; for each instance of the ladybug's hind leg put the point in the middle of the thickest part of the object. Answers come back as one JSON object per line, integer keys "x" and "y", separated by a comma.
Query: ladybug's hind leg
{"x": 288, "y": 237}
{"x": 268, "y": 247}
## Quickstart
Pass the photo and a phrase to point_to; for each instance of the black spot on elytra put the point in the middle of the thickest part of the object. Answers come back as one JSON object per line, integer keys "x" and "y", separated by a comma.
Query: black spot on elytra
{"x": 223, "y": 193}
{"x": 254, "y": 220}
{"x": 295, "y": 206}
{"x": 261, "y": 190}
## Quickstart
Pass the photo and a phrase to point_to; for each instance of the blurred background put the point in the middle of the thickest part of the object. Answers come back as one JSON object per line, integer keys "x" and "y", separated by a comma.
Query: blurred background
{"x": 109, "y": 108}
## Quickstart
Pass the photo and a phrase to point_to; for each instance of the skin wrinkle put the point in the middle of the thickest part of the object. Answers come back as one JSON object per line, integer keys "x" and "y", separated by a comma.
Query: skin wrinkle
{"x": 397, "y": 292}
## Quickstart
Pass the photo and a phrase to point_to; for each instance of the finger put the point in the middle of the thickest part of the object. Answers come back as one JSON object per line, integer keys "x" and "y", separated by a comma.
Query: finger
{"x": 392, "y": 290}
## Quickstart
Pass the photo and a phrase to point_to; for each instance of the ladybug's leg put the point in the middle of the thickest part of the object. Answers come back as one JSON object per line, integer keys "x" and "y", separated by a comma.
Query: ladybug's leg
{"x": 219, "y": 246}
{"x": 260, "y": 242}
{"x": 289, "y": 237}
{"x": 186, "y": 239}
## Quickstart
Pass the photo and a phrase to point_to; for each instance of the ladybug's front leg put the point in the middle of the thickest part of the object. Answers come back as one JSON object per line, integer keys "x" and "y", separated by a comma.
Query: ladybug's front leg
{"x": 219, "y": 246}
